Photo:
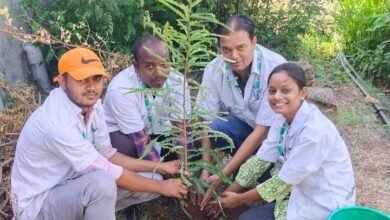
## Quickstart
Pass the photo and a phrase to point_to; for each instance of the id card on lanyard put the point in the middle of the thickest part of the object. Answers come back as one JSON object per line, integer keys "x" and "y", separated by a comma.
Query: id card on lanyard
{"x": 85, "y": 135}
{"x": 148, "y": 106}
{"x": 282, "y": 146}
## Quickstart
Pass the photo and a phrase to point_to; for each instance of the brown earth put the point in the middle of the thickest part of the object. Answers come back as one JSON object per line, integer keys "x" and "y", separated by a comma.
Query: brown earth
{"x": 368, "y": 141}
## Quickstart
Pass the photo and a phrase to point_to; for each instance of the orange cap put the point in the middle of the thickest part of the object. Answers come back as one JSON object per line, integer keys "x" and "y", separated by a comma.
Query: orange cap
{"x": 80, "y": 63}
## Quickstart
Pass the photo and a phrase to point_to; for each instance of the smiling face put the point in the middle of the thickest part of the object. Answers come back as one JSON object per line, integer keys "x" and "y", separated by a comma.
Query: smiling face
{"x": 239, "y": 48}
{"x": 285, "y": 96}
{"x": 83, "y": 93}
{"x": 151, "y": 64}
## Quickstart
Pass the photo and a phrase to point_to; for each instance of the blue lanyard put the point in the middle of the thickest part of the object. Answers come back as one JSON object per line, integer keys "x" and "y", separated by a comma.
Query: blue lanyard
{"x": 257, "y": 87}
{"x": 283, "y": 133}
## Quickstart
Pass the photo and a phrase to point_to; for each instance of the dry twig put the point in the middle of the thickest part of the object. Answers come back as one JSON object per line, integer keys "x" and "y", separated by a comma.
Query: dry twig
{"x": 8, "y": 144}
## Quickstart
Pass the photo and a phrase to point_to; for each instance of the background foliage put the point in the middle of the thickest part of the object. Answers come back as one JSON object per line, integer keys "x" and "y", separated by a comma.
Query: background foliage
{"x": 279, "y": 23}
{"x": 364, "y": 28}
{"x": 107, "y": 25}
{"x": 119, "y": 21}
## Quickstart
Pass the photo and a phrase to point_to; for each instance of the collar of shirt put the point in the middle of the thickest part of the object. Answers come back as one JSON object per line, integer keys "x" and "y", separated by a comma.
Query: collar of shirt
{"x": 257, "y": 60}
{"x": 300, "y": 117}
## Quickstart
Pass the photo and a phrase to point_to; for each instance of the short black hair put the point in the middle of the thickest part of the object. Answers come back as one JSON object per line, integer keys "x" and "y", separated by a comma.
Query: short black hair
{"x": 237, "y": 23}
{"x": 141, "y": 42}
{"x": 293, "y": 70}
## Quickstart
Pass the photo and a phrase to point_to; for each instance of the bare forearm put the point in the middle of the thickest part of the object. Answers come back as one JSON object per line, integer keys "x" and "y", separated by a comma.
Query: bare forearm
{"x": 183, "y": 139}
{"x": 133, "y": 164}
{"x": 235, "y": 187}
{"x": 206, "y": 144}
{"x": 250, "y": 196}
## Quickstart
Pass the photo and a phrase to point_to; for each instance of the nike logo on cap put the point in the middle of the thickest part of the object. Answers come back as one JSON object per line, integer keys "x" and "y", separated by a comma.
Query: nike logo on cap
{"x": 86, "y": 61}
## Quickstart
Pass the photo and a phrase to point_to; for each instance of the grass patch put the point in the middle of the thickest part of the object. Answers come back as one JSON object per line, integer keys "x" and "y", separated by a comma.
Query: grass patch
{"x": 348, "y": 118}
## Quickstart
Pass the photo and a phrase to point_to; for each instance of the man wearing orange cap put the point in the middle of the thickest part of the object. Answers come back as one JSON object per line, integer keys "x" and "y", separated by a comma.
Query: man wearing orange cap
{"x": 65, "y": 166}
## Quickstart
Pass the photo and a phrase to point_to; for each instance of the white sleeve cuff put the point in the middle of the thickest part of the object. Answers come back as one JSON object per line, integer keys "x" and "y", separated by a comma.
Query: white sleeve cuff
{"x": 107, "y": 151}
{"x": 102, "y": 163}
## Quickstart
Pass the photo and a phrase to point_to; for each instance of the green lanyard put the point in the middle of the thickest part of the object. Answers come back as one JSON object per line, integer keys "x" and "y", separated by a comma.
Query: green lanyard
{"x": 283, "y": 133}
{"x": 84, "y": 135}
{"x": 229, "y": 77}
{"x": 147, "y": 106}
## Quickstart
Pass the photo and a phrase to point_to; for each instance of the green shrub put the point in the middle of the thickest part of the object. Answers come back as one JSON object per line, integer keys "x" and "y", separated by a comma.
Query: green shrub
{"x": 279, "y": 23}
{"x": 118, "y": 21}
{"x": 114, "y": 25}
{"x": 364, "y": 27}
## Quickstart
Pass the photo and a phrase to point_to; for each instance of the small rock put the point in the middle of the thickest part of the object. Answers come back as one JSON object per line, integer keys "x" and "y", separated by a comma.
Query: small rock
{"x": 325, "y": 99}
{"x": 324, "y": 96}
{"x": 371, "y": 100}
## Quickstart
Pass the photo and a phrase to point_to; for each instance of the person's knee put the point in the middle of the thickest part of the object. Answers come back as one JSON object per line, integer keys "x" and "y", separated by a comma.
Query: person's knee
{"x": 123, "y": 143}
{"x": 261, "y": 212}
{"x": 219, "y": 125}
{"x": 225, "y": 128}
{"x": 247, "y": 215}
{"x": 148, "y": 196}
{"x": 102, "y": 185}
{"x": 143, "y": 197}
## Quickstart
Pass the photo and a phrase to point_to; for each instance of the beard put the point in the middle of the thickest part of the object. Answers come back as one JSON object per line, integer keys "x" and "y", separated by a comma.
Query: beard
{"x": 78, "y": 99}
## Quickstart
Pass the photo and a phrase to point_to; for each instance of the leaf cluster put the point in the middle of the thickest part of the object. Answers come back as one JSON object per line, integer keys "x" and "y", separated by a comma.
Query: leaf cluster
{"x": 119, "y": 20}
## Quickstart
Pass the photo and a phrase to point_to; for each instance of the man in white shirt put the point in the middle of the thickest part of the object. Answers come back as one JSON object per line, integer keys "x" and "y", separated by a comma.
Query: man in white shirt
{"x": 65, "y": 167}
{"x": 134, "y": 117}
{"x": 236, "y": 82}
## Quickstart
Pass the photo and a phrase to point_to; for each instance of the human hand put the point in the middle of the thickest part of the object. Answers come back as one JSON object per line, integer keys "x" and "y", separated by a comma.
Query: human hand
{"x": 227, "y": 200}
{"x": 214, "y": 182}
{"x": 174, "y": 188}
{"x": 171, "y": 167}
{"x": 212, "y": 209}
{"x": 230, "y": 199}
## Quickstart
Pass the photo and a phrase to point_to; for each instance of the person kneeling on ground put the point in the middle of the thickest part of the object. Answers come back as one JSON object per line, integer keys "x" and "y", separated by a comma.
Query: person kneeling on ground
{"x": 136, "y": 118}
{"x": 311, "y": 159}
{"x": 236, "y": 82}
{"x": 65, "y": 167}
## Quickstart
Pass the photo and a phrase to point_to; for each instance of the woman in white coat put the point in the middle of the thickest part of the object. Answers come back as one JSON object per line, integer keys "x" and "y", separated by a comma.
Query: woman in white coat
{"x": 312, "y": 174}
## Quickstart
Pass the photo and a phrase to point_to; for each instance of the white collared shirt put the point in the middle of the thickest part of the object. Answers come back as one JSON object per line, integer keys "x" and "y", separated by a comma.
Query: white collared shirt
{"x": 125, "y": 111}
{"x": 317, "y": 164}
{"x": 54, "y": 146}
{"x": 216, "y": 94}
